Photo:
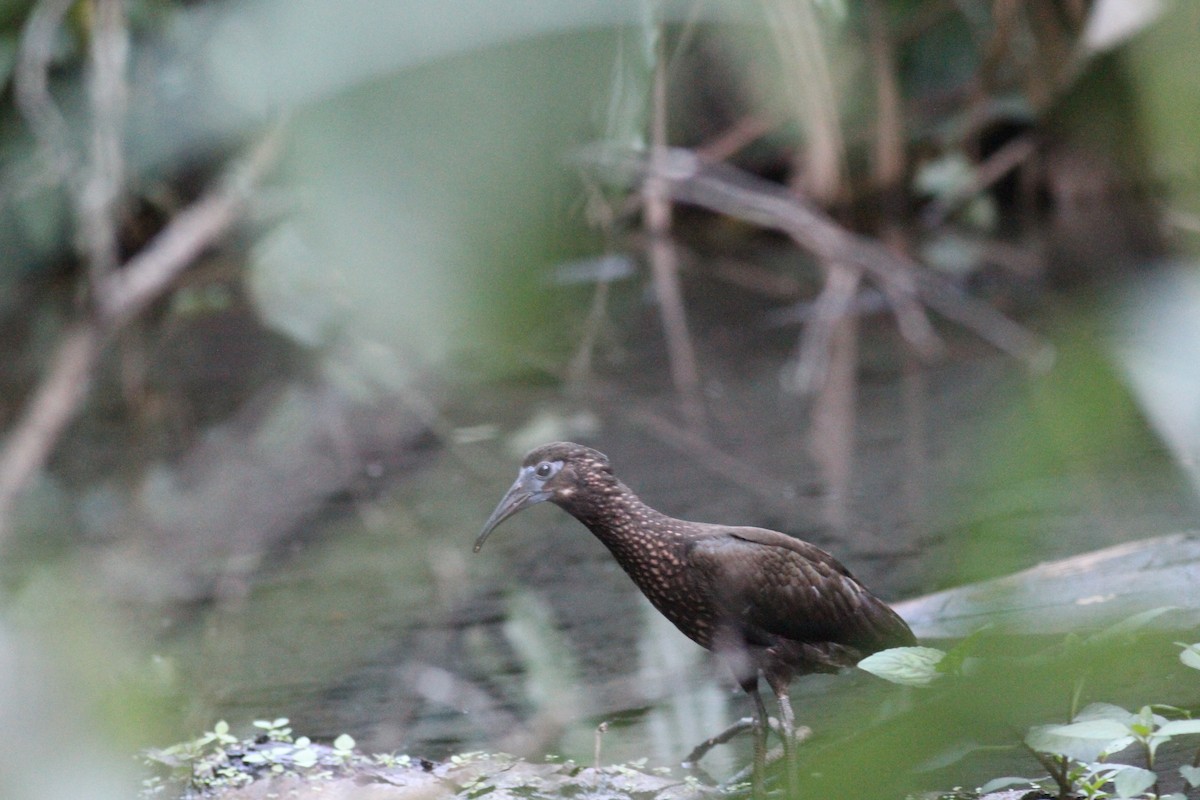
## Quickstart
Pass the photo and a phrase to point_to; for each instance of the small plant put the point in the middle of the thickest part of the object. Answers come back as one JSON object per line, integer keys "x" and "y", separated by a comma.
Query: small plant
{"x": 276, "y": 730}
{"x": 218, "y": 760}
{"x": 1076, "y": 754}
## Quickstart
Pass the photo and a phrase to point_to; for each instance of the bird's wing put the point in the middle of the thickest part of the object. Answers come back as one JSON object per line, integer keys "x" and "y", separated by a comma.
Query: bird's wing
{"x": 770, "y": 584}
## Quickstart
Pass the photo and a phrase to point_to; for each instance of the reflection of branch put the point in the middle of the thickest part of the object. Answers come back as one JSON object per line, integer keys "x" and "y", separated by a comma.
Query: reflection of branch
{"x": 811, "y": 365}
{"x": 119, "y": 297}
{"x": 728, "y": 190}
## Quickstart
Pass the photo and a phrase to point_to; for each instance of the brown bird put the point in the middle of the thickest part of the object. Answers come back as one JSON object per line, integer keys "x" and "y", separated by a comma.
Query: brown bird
{"x": 768, "y": 604}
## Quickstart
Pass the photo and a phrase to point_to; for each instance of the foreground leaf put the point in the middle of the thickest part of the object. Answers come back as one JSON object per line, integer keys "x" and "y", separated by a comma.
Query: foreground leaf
{"x": 909, "y": 666}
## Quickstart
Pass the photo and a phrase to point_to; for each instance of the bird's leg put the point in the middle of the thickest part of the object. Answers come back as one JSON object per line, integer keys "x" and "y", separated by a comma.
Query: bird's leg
{"x": 760, "y": 737}
{"x": 787, "y": 721}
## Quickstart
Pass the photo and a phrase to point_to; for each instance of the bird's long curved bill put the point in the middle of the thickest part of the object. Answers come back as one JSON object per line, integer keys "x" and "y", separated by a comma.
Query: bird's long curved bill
{"x": 518, "y": 497}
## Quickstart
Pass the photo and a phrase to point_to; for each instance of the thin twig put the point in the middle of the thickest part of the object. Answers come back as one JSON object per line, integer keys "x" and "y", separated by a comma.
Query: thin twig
{"x": 701, "y": 750}
{"x": 664, "y": 260}
{"x": 108, "y": 90}
{"x": 744, "y": 131}
{"x": 1014, "y": 153}
{"x": 46, "y": 415}
{"x": 127, "y": 291}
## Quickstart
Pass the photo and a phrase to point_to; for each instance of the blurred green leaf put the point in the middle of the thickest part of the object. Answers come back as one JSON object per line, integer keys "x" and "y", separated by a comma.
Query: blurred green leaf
{"x": 1179, "y": 727}
{"x": 1190, "y": 654}
{"x": 910, "y": 666}
{"x": 1105, "y": 729}
{"x": 1133, "y": 781}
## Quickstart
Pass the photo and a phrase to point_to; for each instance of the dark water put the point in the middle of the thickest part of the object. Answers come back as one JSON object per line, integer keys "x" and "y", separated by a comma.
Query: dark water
{"x": 383, "y": 624}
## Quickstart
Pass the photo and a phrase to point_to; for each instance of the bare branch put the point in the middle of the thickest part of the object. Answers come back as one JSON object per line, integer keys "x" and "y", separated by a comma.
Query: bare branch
{"x": 46, "y": 415}
{"x": 728, "y": 190}
{"x": 144, "y": 277}
{"x": 1012, "y": 155}
{"x": 701, "y": 750}
{"x": 120, "y": 297}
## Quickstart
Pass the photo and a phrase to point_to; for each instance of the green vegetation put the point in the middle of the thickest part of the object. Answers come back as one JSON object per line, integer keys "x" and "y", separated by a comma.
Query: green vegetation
{"x": 1089, "y": 755}
{"x": 218, "y": 760}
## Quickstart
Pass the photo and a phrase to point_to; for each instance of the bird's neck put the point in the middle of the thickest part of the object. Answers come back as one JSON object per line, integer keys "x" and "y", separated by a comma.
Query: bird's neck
{"x": 628, "y": 527}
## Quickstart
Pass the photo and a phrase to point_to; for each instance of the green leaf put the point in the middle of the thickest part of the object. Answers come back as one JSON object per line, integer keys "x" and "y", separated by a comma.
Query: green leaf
{"x": 305, "y": 758}
{"x": 345, "y": 742}
{"x": 1179, "y": 727}
{"x": 1190, "y": 774}
{"x": 1132, "y": 782}
{"x": 1190, "y": 655}
{"x": 1106, "y": 729}
{"x": 1105, "y": 711}
{"x": 996, "y": 784}
{"x": 910, "y": 666}
{"x": 1061, "y": 739}
{"x": 1129, "y": 626}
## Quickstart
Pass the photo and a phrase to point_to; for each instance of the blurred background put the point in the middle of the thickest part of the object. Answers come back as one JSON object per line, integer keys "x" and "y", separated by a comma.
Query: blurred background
{"x": 289, "y": 287}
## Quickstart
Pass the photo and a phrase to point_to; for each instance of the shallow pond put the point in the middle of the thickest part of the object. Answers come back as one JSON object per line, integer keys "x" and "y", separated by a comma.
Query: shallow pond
{"x": 381, "y": 622}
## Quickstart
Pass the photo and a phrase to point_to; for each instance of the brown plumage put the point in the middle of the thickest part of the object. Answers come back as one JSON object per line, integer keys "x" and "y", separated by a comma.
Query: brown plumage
{"x": 768, "y": 604}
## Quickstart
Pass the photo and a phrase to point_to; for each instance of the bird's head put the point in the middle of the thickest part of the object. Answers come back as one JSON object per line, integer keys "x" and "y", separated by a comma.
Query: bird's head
{"x": 555, "y": 472}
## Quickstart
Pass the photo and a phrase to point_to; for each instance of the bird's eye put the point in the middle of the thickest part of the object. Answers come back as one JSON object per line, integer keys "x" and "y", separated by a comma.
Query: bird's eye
{"x": 544, "y": 470}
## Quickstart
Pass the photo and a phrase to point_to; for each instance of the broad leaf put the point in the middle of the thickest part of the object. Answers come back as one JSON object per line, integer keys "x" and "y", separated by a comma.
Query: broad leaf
{"x": 1133, "y": 782}
{"x": 1190, "y": 655}
{"x": 996, "y": 784}
{"x": 1178, "y": 727}
{"x": 1190, "y": 774}
{"x": 1051, "y": 739}
{"x": 1105, "y": 711}
{"x": 910, "y": 666}
{"x": 1105, "y": 729}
